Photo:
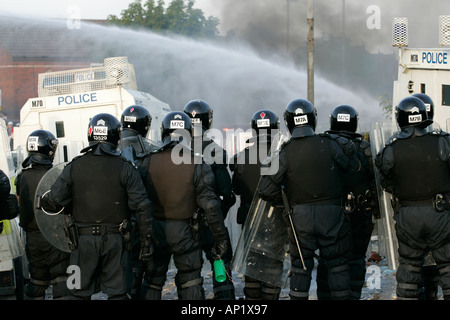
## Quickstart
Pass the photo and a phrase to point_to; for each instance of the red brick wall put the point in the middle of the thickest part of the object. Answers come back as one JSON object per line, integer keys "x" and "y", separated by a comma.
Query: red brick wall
{"x": 19, "y": 79}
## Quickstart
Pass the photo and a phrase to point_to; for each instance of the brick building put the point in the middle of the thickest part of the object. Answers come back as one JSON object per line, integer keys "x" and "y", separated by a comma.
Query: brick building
{"x": 28, "y": 48}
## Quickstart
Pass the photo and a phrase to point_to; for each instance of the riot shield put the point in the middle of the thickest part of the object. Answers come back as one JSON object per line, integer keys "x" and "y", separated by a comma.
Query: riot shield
{"x": 387, "y": 238}
{"x": 262, "y": 250}
{"x": 53, "y": 225}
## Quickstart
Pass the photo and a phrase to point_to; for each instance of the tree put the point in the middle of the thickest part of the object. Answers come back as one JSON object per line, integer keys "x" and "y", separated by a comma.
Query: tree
{"x": 386, "y": 105}
{"x": 180, "y": 17}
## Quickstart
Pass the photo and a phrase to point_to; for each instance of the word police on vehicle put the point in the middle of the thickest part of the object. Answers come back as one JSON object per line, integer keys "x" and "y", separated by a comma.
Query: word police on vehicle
{"x": 77, "y": 98}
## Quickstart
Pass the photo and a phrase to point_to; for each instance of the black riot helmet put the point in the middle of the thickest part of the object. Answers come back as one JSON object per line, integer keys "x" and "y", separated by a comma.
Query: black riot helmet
{"x": 136, "y": 118}
{"x": 299, "y": 113}
{"x": 104, "y": 127}
{"x": 42, "y": 142}
{"x": 429, "y": 104}
{"x": 175, "y": 120}
{"x": 344, "y": 118}
{"x": 411, "y": 112}
{"x": 200, "y": 112}
{"x": 264, "y": 120}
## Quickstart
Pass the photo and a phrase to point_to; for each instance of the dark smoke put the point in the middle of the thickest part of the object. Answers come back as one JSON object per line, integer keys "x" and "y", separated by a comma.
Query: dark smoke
{"x": 264, "y": 22}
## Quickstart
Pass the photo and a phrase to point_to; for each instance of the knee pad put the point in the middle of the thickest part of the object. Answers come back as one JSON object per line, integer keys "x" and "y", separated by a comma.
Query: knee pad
{"x": 60, "y": 289}
{"x": 35, "y": 289}
{"x": 252, "y": 289}
{"x": 444, "y": 274}
{"x": 190, "y": 290}
{"x": 150, "y": 291}
{"x": 339, "y": 282}
{"x": 269, "y": 292}
{"x": 408, "y": 280}
{"x": 300, "y": 283}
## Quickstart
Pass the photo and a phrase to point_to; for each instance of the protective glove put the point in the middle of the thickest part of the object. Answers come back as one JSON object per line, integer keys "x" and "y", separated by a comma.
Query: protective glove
{"x": 147, "y": 249}
{"x": 219, "y": 249}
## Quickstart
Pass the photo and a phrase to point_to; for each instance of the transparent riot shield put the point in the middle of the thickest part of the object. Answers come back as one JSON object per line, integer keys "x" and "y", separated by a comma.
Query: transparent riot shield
{"x": 387, "y": 238}
{"x": 262, "y": 250}
{"x": 54, "y": 226}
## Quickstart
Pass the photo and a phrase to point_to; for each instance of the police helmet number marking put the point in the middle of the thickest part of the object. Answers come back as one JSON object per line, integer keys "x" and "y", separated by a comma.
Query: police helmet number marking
{"x": 301, "y": 119}
{"x": 343, "y": 117}
{"x": 195, "y": 120}
{"x": 176, "y": 124}
{"x": 262, "y": 123}
{"x": 129, "y": 119}
{"x": 415, "y": 118}
{"x": 100, "y": 133}
{"x": 428, "y": 107}
{"x": 33, "y": 143}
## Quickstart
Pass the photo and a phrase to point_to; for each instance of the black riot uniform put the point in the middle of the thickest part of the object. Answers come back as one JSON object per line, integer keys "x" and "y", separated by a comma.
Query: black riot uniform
{"x": 201, "y": 116}
{"x": 430, "y": 273}
{"x": 177, "y": 189}
{"x": 246, "y": 173}
{"x": 47, "y": 264}
{"x": 361, "y": 201}
{"x": 101, "y": 188}
{"x": 310, "y": 167}
{"x": 134, "y": 145}
{"x": 415, "y": 168}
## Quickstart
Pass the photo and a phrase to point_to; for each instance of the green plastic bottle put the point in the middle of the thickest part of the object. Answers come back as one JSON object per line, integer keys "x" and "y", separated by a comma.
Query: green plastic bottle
{"x": 219, "y": 270}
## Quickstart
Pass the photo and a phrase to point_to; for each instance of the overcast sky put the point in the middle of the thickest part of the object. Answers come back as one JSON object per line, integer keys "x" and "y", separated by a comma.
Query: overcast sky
{"x": 89, "y": 9}
{"x": 253, "y": 19}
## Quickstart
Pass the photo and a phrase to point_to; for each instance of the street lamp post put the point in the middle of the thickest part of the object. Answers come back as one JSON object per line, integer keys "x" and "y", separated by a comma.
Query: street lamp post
{"x": 310, "y": 20}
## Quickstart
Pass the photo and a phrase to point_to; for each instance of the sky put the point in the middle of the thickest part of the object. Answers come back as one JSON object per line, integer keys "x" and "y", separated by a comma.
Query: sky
{"x": 268, "y": 19}
{"x": 89, "y": 9}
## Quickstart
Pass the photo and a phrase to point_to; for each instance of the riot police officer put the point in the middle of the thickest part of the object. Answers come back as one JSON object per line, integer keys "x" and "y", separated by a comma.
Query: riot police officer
{"x": 201, "y": 116}
{"x": 178, "y": 184}
{"x": 47, "y": 264}
{"x": 101, "y": 188}
{"x": 430, "y": 273}
{"x": 134, "y": 145}
{"x": 361, "y": 201}
{"x": 414, "y": 168}
{"x": 310, "y": 166}
{"x": 136, "y": 122}
{"x": 246, "y": 172}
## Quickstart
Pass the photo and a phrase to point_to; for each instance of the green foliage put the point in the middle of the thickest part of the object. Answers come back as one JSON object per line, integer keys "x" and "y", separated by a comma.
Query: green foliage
{"x": 179, "y": 17}
{"x": 386, "y": 105}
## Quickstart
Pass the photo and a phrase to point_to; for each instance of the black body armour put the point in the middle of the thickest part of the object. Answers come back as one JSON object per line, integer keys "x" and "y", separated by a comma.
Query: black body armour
{"x": 102, "y": 202}
{"x": 26, "y": 185}
{"x": 419, "y": 171}
{"x": 171, "y": 187}
{"x": 249, "y": 175}
{"x": 358, "y": 182}
{"x": 312, "y": 174}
